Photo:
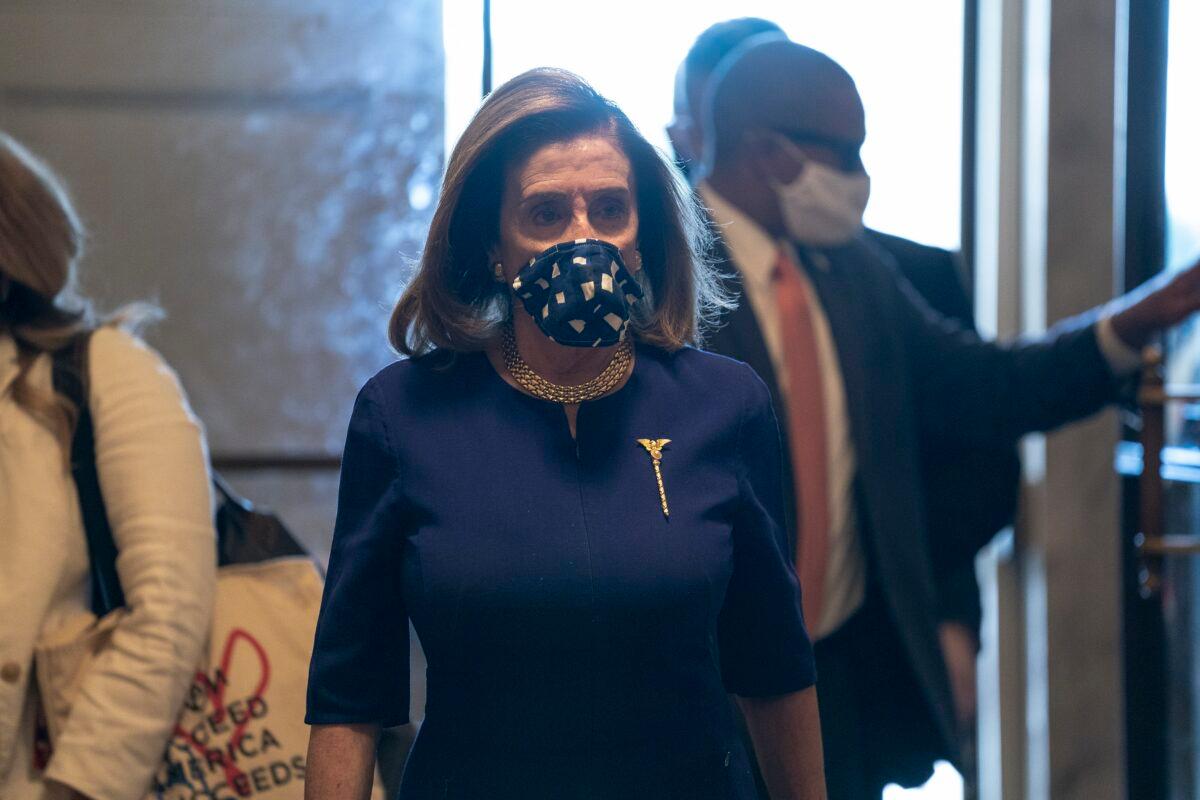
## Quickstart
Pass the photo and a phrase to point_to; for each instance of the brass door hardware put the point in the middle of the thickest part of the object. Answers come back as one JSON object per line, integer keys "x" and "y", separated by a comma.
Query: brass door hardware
{"x": 1152, "y": 541}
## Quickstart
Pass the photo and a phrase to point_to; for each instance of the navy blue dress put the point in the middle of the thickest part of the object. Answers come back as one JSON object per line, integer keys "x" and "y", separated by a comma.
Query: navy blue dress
{"x": 580, "y": 644}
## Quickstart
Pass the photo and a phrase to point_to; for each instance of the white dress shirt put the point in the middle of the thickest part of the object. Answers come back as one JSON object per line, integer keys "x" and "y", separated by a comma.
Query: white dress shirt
{"x": 151, "y": 459}
{"x": 754, "y": 252}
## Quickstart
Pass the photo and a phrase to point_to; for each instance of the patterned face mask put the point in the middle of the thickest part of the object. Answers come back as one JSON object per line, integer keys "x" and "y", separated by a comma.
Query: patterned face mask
{"x": 579, "y": 293}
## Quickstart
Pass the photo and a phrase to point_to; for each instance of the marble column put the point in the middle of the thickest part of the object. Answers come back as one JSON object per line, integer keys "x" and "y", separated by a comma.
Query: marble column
{"x": 1055, "y": 186}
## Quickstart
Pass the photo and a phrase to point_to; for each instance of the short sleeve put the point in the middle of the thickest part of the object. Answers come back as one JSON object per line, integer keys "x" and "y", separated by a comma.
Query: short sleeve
{"x": 764, "y": 647}
{"x": 359, "y": 669}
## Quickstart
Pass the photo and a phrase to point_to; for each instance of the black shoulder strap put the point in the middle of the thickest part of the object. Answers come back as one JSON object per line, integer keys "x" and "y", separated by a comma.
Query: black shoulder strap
{"x": 70, "y": 374}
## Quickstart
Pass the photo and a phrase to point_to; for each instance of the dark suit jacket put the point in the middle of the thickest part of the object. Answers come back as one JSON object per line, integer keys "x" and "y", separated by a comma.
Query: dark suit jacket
{"x": 912, "y": 375}
{"x": 970, "y": 491}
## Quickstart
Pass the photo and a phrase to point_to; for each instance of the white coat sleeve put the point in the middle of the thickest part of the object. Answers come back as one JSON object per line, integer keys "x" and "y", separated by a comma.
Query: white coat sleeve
{"x": 153, "y": 468}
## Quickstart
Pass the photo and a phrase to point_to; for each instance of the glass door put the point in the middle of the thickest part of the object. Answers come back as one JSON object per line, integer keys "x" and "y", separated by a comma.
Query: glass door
{"x": 1163, "y": 608}
{"x": 1181, "y": 570}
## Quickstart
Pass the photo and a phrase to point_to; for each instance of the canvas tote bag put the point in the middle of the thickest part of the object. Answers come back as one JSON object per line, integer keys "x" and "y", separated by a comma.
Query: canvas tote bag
{"x": 241, "y": 730}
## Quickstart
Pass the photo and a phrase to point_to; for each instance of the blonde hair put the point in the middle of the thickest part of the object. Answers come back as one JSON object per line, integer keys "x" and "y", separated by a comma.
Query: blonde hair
{"x": 453, "y": 302}
{"x": 41, "y": 242}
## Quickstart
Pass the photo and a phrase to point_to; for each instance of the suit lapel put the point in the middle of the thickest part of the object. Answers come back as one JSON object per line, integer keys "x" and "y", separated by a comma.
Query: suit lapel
{"x": 848, "y": 326}
{"x": 739, "y": 331}
{"x": 738, "y": 335}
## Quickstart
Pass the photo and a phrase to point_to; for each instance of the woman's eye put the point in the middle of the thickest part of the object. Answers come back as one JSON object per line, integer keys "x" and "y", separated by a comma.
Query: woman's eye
{"x": 545, "y": 215}
{"x": 614, "y": 210}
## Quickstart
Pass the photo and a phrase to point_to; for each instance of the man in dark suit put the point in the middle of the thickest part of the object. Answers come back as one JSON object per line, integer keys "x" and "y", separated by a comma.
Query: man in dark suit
{"x": 863, "y": 372}
{"x": 970, "y": 490}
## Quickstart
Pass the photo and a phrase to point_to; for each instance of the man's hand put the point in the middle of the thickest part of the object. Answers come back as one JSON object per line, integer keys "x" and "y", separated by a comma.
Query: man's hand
{"x": 1158, "y": 304}
{"x": 959, "y": 646}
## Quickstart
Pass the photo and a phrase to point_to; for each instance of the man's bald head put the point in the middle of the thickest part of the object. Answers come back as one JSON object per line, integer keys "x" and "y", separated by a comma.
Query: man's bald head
{"x": 777, "y": 85}
{"x": 686, "y": 130}
{"x": 709, "y": 50}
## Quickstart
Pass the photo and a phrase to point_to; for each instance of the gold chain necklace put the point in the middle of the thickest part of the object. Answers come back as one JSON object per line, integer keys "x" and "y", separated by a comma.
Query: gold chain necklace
{"x": 541, "y": 388}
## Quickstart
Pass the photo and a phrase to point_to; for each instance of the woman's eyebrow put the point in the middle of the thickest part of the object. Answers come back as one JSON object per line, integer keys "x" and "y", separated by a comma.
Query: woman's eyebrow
{"x": 615, "y": 188}
{"x": 545, "y": 195}
{"x": 542, "y": 196}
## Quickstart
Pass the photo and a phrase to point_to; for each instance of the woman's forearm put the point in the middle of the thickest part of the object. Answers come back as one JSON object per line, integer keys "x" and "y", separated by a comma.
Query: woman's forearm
{"x": 341, "y": 762}
{"x": 786, "y": 731}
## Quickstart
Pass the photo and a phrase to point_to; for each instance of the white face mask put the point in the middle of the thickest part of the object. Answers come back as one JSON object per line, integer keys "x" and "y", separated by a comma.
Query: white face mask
{"x": 823, "y": 206}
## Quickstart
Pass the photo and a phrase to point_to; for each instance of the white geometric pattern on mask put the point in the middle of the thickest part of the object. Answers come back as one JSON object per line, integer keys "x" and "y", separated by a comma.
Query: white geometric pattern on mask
{"x": 555, "y": 318}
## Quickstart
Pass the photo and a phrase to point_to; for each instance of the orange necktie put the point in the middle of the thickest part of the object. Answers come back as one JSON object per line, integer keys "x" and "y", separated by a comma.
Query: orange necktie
{"x": 806, "y": 433}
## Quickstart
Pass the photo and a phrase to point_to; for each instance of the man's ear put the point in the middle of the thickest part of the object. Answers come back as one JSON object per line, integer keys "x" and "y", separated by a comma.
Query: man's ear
{"x": 679, "y": 132}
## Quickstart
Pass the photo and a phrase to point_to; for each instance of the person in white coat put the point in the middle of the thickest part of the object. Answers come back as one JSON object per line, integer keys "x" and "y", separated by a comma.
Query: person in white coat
{"x": 152, "y": 463}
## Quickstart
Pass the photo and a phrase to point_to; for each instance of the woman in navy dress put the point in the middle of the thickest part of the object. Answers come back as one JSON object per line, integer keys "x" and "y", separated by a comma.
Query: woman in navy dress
{"x": 579, "y": 511}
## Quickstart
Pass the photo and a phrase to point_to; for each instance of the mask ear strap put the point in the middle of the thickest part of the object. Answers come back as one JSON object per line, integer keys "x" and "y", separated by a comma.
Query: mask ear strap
{"x": 634, "y": 262}
{"x": 791, "y": 148}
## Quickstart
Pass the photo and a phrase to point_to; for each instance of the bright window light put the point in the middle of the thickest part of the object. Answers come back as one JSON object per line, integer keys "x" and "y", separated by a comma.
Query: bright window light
{"x": 905, "y": 57}
{"x": 944, "y": 784}
{"x": 1183, "y": 130}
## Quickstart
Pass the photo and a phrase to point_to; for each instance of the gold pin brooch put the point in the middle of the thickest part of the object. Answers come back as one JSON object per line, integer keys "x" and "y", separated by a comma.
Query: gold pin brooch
{"x": 655, "y": 447}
